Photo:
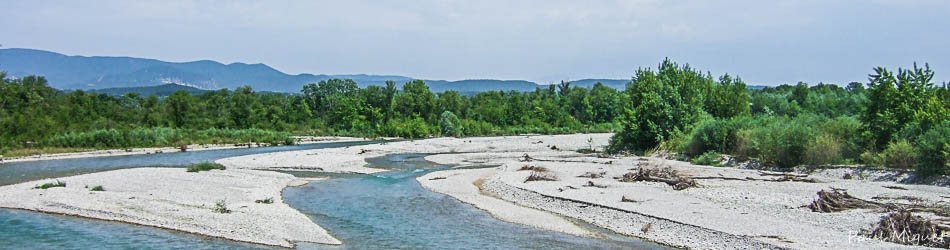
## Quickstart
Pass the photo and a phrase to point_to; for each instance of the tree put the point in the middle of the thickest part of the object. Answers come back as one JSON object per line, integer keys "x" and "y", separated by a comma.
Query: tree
{"x": 450, "y": 124}
{"x": 800, "y": 94}
{"x": 728, "y": 98}
{"x": 898, "y": 102}
{"x": 179, "y": 105}
{"x": 604, "y": 103}
{"x": 415, "y": 100}
{"x": 243, "y": 104}
{"x": 657, "y": 105}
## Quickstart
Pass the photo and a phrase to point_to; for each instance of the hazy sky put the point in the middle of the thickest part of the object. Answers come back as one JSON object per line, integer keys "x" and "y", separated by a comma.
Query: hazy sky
{"x": 764, "y": 42}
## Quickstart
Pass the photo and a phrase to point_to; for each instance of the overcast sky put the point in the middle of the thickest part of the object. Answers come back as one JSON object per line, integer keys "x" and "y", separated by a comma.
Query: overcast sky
{"x": 764, "y": 42}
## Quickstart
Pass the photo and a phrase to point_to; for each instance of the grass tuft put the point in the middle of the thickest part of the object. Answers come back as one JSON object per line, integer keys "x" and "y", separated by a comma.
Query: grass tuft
{"x": 204, "y": 166}
{"x": 58, "y": 183}
{"x": 97, "y": 188}
{"x": 221, "y": 207}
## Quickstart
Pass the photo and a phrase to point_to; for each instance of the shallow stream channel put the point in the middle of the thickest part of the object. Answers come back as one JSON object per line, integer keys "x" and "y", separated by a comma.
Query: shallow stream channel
{"x": 386, "y": 210}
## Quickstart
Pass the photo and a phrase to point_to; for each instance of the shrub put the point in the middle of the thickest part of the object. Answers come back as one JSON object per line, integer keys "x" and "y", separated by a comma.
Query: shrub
{"x": 450, "y": 124}
{"x": 847, "y": 130}
{"x": 935, "y": 150}
{"x": 717, "y": 135}
{"x": 204, "y": 166}
{"x": 782, "y": 142}
{"x": 407, "y": 128}
{"x": 899, "y": 154}
{"x": 97, "y": 188}
{"x": 823, "y": 150}
{"x": 57, "y": 183}
{"x": 710, "y": 158}
{"x": 269, "y": 200}
{"x": 221, "y": 207}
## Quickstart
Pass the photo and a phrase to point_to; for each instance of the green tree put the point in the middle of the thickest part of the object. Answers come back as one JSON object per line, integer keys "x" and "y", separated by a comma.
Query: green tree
{"x": 657, "y": 105}
{"x": 179, "y": 106}
{"x": 415, "y": 100}
{"x": 728, "y": 98}
{"x": 450, "y": 124}
{"x": 604, "y": 102}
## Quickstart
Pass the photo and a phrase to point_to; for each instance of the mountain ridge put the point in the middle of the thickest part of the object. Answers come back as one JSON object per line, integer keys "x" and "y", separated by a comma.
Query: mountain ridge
{"x": 105, "y": 72}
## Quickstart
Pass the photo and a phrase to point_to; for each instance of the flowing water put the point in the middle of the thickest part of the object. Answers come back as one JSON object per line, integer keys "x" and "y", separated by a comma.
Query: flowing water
{"x": 380, "y": 211}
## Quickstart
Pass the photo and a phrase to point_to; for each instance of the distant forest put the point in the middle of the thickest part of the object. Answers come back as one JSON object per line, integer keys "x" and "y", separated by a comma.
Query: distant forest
{"x": 896, "y": 119}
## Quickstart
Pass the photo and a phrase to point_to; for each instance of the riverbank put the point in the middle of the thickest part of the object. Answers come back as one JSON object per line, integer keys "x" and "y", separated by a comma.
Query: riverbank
{"x": 542, "y": 180}
{"x": 161, "y": 150}
{"x": 730, "y": 208}
{"x": 175, "y": 199}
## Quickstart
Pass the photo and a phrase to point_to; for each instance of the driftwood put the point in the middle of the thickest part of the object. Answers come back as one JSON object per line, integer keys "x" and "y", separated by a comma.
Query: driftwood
{"x": 905, "y": 228}
{"x": 437, "y": 178}
{"x": 533, "y": 168}
{"x": 836, "y": 201}
{"x": 540, "y": 176}
{"x": 593, "y": 175}
{"x": 526, "y": 158}
{"x": 592, "y": 184}
{"x": 625, "y": 199}
{"x": 666, "y": 175}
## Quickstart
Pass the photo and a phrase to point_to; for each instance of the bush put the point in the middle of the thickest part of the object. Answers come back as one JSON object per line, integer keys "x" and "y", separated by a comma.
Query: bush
{"x": 717, "y": 135}
{"x": 407, "y": 128}
{"x": 935, "y": 151}
{"x": 57, "y": 183}
{"x": 782, "y": 142}
{"x": 221, "y": 207}
{"x": 450, "y": 124}
{"x": 847, "y": 130}
{"x": 204, "y": 166}
{"x": 823, "y": 150}
{"x": 97, "y": 188}
{"x": 899, "y": 154}
{"x": 711, "y": 158}
{"x": 269, "y": 200}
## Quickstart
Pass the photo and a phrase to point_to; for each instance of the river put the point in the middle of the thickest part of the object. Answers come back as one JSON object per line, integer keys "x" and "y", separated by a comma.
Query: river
{"x": 380, "y": 211}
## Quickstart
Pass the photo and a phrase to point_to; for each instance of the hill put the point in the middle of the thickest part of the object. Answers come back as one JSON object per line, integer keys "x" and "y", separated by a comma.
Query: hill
{"x": 160, "y": 90}
{"x": 101, "y": 72}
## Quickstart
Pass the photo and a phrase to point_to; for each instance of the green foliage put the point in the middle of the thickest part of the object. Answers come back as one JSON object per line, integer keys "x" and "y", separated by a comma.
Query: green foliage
{"x": 934, "y": 151}
{"x": 894, "y": 102}
{"x": 728, "y": 98}
{"x": 408, "y": 128}
{"x": 655, "y": 105}
{"x": 221, "y": 207}
{"x": 782, "y": 142}
{"x": 711, "y": 158}
{"x": 97, "y": 188}
{"x": 717, "y": 135}
{"x": 204, "y": 166}
{"x": 824, "y": 149}
{"x": 57, "y": 183}
{"x": 450, "y": 124}
{"x": 415, "y": 100}
{"x": 158, "y": 136}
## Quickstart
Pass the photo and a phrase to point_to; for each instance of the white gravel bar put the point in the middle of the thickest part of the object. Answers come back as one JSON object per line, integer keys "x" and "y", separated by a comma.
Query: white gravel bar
{"x": 174, "y": 199}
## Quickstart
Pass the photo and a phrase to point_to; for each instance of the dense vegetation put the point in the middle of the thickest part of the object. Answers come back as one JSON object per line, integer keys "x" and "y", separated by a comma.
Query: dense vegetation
{"x": 34, "y": 115}
{"x": 899, "y": 120}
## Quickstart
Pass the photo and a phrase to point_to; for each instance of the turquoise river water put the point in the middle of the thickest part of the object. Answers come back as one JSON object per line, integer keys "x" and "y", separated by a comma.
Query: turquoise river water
{"x": 387, "y": 210}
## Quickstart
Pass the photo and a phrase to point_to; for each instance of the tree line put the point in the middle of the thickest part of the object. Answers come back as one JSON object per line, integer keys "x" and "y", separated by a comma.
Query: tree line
{"x": 898, "y": 119}
{"x": 895, "y": 119}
